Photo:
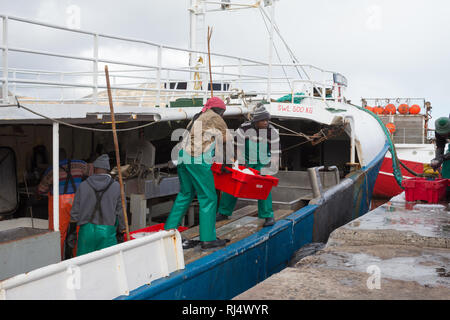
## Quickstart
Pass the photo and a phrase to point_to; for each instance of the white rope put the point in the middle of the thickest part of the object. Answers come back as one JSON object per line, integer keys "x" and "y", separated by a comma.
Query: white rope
{"x": 80, "y": 127}
{"x": 293, "y": 57}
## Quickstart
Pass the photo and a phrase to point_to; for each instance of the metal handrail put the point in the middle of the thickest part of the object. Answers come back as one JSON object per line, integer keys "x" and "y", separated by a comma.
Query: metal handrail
{"x": 230, "y": 74}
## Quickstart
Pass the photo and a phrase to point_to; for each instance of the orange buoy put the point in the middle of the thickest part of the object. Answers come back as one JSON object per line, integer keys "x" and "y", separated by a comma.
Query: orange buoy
{"x": 390, "y": 109}
{"x": 414, "y": 109}
{"x": 403, "y": 109}
{"x": 378, "y": 110}
{"x": 368, "y": 108}
{"x": 391, "y": 127}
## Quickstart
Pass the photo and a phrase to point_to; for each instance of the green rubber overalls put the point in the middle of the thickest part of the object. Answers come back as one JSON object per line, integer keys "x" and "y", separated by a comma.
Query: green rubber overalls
{"x": 446, "y": 170}
{"x": 252, "y": 160}
{"x": 92, "y": 237}
{"x": 446, "y": 166}
{"x": 195, "y": 176}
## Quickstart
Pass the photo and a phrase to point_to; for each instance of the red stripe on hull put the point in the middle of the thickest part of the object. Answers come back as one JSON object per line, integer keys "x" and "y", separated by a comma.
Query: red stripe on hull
{"x": 386, "y": 186}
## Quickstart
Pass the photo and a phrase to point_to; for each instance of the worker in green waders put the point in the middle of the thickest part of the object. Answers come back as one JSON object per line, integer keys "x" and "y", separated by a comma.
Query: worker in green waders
{"x": 206, "y": 130}
{"x": 259, "y": 142}
{"x": 442, "y": 134}
{"x": 97, "y": 210}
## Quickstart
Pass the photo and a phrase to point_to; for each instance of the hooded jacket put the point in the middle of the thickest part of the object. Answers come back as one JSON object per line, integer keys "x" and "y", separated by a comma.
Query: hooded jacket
{"x": 203, "y": 133}
{"x": 84, "y": 204}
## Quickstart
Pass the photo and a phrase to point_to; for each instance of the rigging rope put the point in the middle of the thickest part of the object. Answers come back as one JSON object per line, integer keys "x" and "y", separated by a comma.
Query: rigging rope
{"x": 278, "y": 55}
{"x": 80, "y": 127}
{"x": 293, "y": 57}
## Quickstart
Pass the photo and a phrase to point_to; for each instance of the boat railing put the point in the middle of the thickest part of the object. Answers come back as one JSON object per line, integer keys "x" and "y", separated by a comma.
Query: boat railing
{"x": 410, "y": 128}
{"x": 318, "y": 90}
{"x": 146, "y": 73}
{"x": 115, "y": 268}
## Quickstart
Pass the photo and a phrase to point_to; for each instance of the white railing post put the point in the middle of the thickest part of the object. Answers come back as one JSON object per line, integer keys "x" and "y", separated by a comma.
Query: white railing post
{"x": 38, "y": 78}
{"x": 61, "y": 79}
{"x": 158, "y": 76}
{"x": 205, "y": 78}
{"x": 5, "y": 61}
{"x": 240, "y": 74}
{"x": 15, "y": 84}
{"x": 221, "y": 85}
{"x": 167, "y": 92}
{"x": 56, "y": 176}
{"x": 95, "y": 75}
{"x": 114, "y": 91}
{"x": 324, "y": 86}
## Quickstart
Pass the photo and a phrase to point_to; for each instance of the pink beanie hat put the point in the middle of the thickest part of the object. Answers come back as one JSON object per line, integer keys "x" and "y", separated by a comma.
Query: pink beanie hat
{"x": 214, "y": 102}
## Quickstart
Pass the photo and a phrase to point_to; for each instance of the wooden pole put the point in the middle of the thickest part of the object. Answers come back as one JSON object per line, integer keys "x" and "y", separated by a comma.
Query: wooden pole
{"x": 209, "y": 59}
{"x": 116, "y": 146}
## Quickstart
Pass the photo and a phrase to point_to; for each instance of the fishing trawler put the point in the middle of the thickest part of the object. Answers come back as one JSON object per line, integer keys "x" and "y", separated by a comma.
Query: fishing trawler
{"x": 331, "y": 153}
{"x": 407, "y": 119}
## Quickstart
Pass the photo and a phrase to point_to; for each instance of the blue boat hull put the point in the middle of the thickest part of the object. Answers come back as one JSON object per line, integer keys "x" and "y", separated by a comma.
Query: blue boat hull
{"x": 234, "y": 269}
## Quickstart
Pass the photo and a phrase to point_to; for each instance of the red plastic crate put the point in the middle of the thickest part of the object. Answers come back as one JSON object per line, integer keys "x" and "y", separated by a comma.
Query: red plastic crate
{"x": 243, "y": 185}
{"x": 155, "y": 228}
{"x": 427, "y": 190}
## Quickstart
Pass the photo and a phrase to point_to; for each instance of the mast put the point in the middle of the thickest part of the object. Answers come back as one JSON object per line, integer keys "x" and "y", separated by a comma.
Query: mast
{"x": 197, "y": 12}
{"x": 197, "y": 37}
{"x": 269, "y": 77}
{"x": 192, "y": 32}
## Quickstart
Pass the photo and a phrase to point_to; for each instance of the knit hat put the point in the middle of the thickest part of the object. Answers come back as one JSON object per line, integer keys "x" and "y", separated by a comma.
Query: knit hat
{"x": 214, "y": 102}
{"x": 442, "y": 125}
{"x": 102, "y": 162}
{"x": 260, "y": 113}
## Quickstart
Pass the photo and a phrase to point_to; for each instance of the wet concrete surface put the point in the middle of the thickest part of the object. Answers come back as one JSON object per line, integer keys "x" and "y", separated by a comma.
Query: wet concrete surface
{"x": 399, "y": 250}
{"x": 398, "y": 222}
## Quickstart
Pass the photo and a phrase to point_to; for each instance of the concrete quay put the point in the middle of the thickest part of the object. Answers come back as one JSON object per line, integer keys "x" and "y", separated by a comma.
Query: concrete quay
{"x": 400, "y": 250}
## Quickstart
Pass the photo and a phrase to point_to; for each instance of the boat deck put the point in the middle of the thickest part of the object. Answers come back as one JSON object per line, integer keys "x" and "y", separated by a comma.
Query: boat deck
{"x": 243, "y": 223}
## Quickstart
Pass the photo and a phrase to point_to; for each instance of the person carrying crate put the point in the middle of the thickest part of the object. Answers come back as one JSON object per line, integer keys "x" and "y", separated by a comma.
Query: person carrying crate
{"x": 442, "y": 134}
{"x": 258, "y": 142}
{"x": 205, "y": 132}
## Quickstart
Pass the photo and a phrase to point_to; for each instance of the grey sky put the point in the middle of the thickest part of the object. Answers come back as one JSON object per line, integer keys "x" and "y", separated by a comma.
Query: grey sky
{"x": 384, "y": 48}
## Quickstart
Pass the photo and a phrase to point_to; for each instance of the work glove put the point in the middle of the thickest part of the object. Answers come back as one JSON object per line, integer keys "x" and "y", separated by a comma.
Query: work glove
{"x": 120, "y": 236}
{"x": 436, "y": 163}
{"x": 71, "y": 240}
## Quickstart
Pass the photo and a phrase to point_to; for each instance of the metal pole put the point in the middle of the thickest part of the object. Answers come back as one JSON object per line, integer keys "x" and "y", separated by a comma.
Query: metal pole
{"x": 95, "y": 77}
{"x": 192, "y": 36}
{"x": 269, "y": 79}
{"x": 315, "y": 181}
{"x": 221, "y": 85}
{"x": 61, "y": 78}
{"x": 240, "y": 73}
{"x": 116, "y": 145}
{"x": 55, "y": 176}
{"x": 167, "y": 93}
{"x": 351, "y": 121}
{"x": 158, "y": 76}
{"x": 5, "y": 60}
{"x": 29, "y": 206}
{"x": 209, "y": 60}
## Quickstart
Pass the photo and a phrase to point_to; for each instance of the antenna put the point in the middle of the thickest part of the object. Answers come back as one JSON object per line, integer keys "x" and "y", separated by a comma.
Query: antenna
{"x": 209, "y": 59}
